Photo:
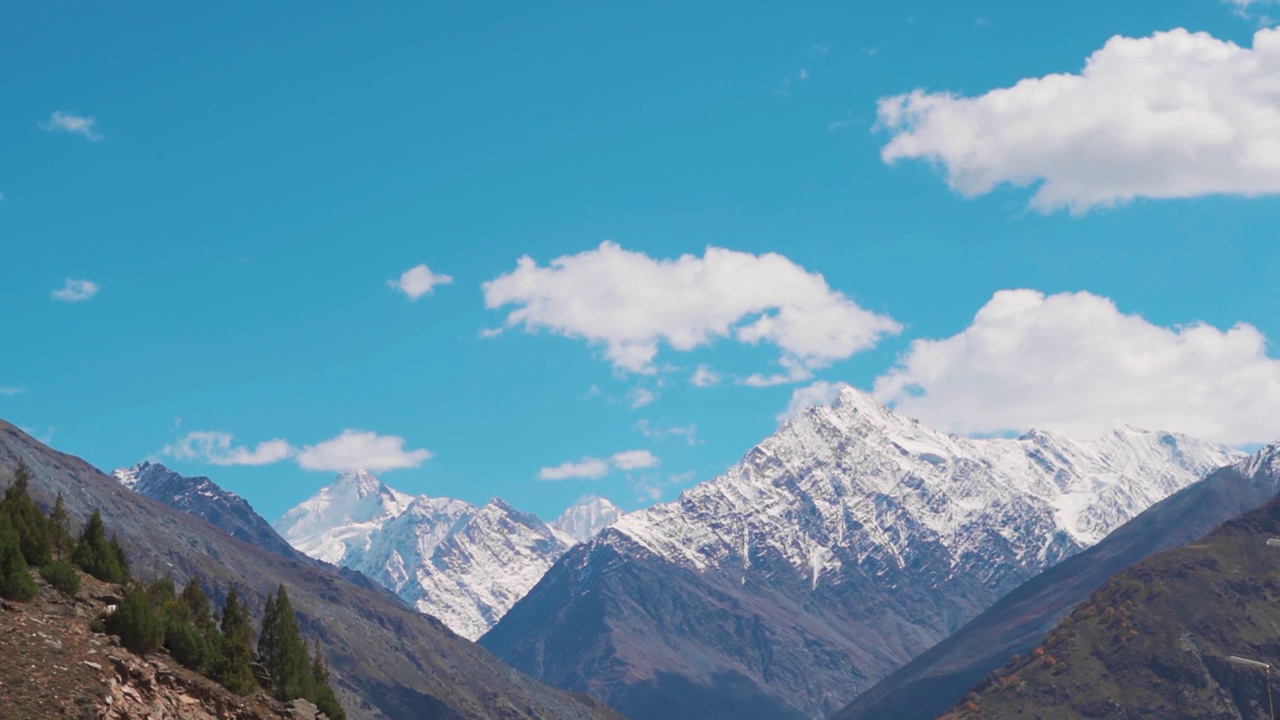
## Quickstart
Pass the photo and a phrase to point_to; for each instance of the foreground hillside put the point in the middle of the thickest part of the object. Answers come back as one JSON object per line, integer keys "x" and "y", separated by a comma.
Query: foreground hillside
{"x": 386, "y": 660}
{"x": 1153, "y": 641}
{"x": 938, "y": 678}
{"x": 841, "y": 547}
{"x": 67, "y": 669}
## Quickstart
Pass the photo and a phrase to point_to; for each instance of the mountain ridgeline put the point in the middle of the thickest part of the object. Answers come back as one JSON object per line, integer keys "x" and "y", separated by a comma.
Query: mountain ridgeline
{"x": 938, "y": 678}
{"x": 1154, "y": 640}
{"x": 462, "y": 564}
{"x": 840, "y": 548}
{"x": 385, "y": 660}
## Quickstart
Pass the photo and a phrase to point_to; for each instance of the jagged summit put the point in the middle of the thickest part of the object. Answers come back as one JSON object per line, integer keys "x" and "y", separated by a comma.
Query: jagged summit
{"x": 586, "y": 518}
{"x": 850, "y": 540}
{"x": 463, "y": 564}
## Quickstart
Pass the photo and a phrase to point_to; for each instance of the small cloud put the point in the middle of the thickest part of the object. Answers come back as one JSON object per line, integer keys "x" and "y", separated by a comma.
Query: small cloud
{"x": 216, "y": 448}
{"x": 641, "y": 397}
{"x": 11, "y": 389}
{"x": 688, "y": 432}
{"x": 72, "y": 123}
{"x": 818, "y": 393}
{"x": 803, "y": 74}
{"x": 981, "y": 22}
{"x": 361, "y": 450}
{"x": 704, "y": 376}
{"x": 634, "y": 460}
{"x": 871, "y": 51}
{"x": 487, "y": 333}
{"x": 820, "y": 49}
{"x": 650, "y": 488}
{"x": 75, "y": 290}
{"x": 418, "y": 281}
{"x": 587, "y": 468}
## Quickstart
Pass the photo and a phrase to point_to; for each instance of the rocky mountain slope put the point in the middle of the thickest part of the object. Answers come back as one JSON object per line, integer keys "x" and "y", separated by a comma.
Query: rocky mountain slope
{"x": 839, "y": 548}
{"x": 938, "y": 678}
{"x": 1153, "y": 641}
{"x": 203, "y": 498}
{"x": 464, "y": 565}
{"x": 386, "y": 660}
{"x": 65, "y": 669}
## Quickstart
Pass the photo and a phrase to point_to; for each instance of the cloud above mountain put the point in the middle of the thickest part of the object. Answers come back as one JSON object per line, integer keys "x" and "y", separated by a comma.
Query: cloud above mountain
{"x": 419, "y": 280}
{"x": 350, "y": 450}
{"x": 1073, "y": 362}
{"x": 632, "y": 304}
{"x": 1172, "y": 115}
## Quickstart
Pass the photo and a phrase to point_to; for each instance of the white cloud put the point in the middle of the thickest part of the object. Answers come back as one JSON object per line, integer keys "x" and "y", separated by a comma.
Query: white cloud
{"x": 361, "y": 450}
{"x": 634, "y": 460}
{"x": 75, "y": 290}
{"x": 72, "y": 123}
{"x": 641, "y": 397}
{"x": 1173, "y": 115}
{"x": 1074, "y": 363}
{"x": 688, "y": 432}
{"x": 585, "y": 469}
{"x": 650, "y": 488}
{"x": 216, "y": 448}
{"x": 818, "y": 393}
{"x": 11, "y": 389}
{"x": 418, "y": 281}
{"x": 704, "y": 376}
{"x": 631, "y": 304}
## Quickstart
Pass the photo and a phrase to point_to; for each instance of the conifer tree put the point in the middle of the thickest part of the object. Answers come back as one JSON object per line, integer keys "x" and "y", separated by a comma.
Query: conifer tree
{"x": 98, "y": 557}
{"x": 236, "y": 655}
{"x": 282, "y": 651}
{"x": 60, "y": 530}
{"x": 15, "y": 581}
{"x": 137, "y": 622}
{"x": 31, "y": 525}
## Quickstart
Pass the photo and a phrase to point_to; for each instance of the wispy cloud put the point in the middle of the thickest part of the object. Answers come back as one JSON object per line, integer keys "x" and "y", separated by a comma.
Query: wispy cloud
{"x": 81, "y": 125}
{"x": 593, "y": 468}
{"x": 688, "y": 432}
{"x": 74, "y": 290}
{"x": 350, "y": 450}
{"x": 11, "y": 389}
{"x": 217, "y": 448}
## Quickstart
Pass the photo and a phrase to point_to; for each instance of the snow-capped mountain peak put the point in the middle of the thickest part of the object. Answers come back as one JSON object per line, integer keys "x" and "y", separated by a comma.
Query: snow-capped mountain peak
{"x": 585, "y": 519}
{"x": 465, "y": 565}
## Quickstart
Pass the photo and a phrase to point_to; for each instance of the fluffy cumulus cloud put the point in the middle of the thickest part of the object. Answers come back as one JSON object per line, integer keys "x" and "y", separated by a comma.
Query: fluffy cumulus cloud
{"x": 634, "y": 460}
{"x": 1075, "y": 363}
{"x": 361, "y": 450}
{"x": 591, "y": 468}
{"x": 351, "y": 450}
{"x": 631, "y": 304}
{"x": 217, "y": 448}
{"x": 71, "y": 123}
{"x": 817, "y": 393}
{"x": 418, "y": 281}
{"x": 75, "y": 290}
{"x": 1173, "y": 115}
{"x": 585, "y": 469}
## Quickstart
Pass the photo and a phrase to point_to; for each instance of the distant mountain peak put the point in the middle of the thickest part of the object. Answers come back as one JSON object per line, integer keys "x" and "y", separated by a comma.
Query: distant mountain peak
{"x": 362, "y": 482}
{"x": 586, "y": 518}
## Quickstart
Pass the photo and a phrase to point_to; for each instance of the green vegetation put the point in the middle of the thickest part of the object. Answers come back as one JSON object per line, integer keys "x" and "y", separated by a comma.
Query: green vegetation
{"x": 62, "y": 576}
{"x": 155, "y": 615}
{"x": 290, "y": 671}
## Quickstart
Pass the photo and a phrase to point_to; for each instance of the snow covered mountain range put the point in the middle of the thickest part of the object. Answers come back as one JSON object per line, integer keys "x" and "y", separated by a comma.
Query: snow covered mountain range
{"x": 846, "y": 543}
{"x": 463, "y": 564}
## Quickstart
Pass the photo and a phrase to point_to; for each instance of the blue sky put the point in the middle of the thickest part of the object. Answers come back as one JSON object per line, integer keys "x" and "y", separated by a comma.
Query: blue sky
{"x": 240, "y": 185}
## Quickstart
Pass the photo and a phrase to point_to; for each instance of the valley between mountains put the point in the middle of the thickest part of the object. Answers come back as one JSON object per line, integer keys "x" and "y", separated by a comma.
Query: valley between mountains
{"x": 851, "y": 547}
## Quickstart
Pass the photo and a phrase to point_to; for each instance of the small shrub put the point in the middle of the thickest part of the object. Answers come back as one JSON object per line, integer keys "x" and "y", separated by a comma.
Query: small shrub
{"x": 98, "y": 625}
{"x": 62, "y": 576}
{"x": 190, "y": 648}
{"x": 140, "y": 627}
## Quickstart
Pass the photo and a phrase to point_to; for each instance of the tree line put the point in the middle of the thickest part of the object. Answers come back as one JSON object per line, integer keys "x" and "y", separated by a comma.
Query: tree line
{"x": 222, "y": 645}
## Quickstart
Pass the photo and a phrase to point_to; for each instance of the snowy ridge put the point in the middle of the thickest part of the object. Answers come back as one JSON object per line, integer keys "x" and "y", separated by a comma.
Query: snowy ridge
{"x": 855, "y": 482}
{"x": 464, "y": 565}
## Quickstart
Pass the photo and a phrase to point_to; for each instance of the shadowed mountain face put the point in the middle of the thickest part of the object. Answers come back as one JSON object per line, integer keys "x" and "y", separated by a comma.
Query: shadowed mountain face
{"x": 938, "y": 678}
{"x": 850, "y": 541}
{"x": 203, "y": 498}
{"x": 1153, "y": 641}
{"x": 387, "y": 661}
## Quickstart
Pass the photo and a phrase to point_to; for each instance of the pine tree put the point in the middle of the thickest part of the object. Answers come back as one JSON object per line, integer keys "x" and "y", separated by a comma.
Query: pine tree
{"x": 235, "y": 669}
{"x": 31, "y": 525}
{"x": 15, "y": 581}
{"x": 98, "y": 557}
{"x": 282, "y": 651}
{"x": 140, "y": 627}
{"x": 323, "y": 695}
{"x": 60, "y": 530}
